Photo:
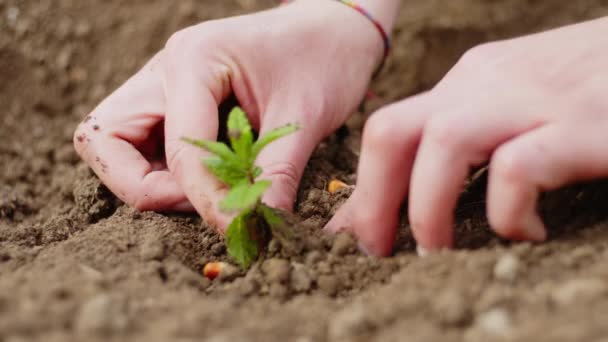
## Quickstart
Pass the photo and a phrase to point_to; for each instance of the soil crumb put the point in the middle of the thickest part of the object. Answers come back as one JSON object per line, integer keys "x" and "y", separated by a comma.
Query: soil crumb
{"x": 77, "y": 264}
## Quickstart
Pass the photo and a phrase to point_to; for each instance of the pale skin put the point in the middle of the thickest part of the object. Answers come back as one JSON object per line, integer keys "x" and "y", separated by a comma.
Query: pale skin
{"x": 281, "y": 66}
{"x": 533, "y": 107}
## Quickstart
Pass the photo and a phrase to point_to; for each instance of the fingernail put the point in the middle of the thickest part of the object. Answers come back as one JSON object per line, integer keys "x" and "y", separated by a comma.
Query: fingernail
{"x": 535, "y": 229}
{"x": 422, "y": 252}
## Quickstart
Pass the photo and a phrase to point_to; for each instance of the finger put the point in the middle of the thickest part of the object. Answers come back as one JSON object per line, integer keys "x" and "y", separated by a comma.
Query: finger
{"x": 195, "y": 85}
{"x": 389, "y": 145}
{"x": 283, "y": 161}
{"x": 450, "y": 146}
{"x": 108, "y": 137}
{"x": 541, "y": 160}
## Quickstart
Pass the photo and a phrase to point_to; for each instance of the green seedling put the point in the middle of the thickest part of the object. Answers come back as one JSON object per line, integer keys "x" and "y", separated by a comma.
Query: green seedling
{"x": 255, "y": 223}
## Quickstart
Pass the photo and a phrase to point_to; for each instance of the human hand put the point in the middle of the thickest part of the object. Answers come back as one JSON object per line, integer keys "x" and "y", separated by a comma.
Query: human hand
{"x": 535, "y": 107}
{"x": 295, "y": 64}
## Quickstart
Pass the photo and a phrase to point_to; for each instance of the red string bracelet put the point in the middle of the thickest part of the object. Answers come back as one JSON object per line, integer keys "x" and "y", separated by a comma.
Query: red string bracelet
{"x": 385, "y": 37}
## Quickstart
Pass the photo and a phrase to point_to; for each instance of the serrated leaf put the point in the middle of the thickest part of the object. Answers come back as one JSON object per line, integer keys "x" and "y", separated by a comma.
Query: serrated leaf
{"x": 270, "y": 215}
{"x": 239, "y": 242}
{"x": 277, "y": 224}
{"x": 257, "y": 171}
{"x": 271, "y": 136}
{"x": 239, "y": 131}
{"x": 244, "y": 196}
{"x": 219, "y": 149}
{"x": 225, "y": 171}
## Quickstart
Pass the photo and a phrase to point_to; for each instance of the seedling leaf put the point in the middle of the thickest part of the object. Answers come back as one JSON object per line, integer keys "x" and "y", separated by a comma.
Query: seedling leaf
{"x": 239, "y": 131}
{"x": 226, "y": 171}
{"x": 271, "y": 217}
{"x": 271, "y": 136}
{"x": 257, "y": 171}
{"x": 219, "y": 149}
{"x": 239, "y": 242}
{"x": 277, "y": 224}
{"x": 234, "y": 165}
{"x": 244, "y": 196}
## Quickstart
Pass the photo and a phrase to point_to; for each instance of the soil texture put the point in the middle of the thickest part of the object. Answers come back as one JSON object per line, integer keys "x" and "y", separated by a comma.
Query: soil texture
{"x": 77, "y": 264}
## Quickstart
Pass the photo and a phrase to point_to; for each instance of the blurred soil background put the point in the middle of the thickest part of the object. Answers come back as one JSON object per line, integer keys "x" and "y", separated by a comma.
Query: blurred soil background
{"x": 76, "y": 264}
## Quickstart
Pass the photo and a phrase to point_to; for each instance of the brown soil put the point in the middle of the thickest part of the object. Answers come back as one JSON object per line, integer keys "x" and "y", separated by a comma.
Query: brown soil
{"x": 76, "y": 264}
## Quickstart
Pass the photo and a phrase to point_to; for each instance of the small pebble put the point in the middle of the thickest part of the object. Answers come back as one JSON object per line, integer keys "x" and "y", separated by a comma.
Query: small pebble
{"x": 102, "y": 314}
{"x": 82, "y": 29}
{"x": 496, "y": 322}
{"x": 507, "y": 268}
{"x": 276, "y": 270}
{"x": 313, "y": 257}
{"x": 217, "y": 249}
{"x": 300, "y": 280}
{"x": 64, "y": 58}
{"x": 328, "y": 285}
{"x": 579, "y": 290}
{"x": 343, "y": 244}
{"x": 451, "y": 308}
{"x": 274, "y": 247}
{"x": 324, "y": 267}
{"x": 152, "y": 249}
{"x": 12, "y": 14}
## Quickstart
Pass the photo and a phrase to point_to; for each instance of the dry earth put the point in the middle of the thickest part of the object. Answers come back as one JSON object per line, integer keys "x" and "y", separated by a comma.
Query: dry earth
{"x": 75, "y": 264}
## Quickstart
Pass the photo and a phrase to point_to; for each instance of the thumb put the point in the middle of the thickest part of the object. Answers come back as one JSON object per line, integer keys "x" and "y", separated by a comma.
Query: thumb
{"x": 283, "y": 163}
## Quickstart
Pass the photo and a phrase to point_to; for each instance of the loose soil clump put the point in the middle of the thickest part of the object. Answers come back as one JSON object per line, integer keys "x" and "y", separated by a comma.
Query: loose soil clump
{"x": 76, "y": 264}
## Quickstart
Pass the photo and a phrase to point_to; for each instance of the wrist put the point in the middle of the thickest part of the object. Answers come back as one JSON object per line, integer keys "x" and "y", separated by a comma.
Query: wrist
{"x": 384, "y": 11}
{"x": 367, "y": 21}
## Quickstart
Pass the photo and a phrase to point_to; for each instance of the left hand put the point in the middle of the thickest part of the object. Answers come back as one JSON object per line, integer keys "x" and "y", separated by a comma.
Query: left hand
{"x": 292, "y": 64}
{"x": 535, "y": 107}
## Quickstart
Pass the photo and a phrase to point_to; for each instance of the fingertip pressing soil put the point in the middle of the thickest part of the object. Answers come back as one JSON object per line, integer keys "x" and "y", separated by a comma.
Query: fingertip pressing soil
{"x": 77, "y": 264}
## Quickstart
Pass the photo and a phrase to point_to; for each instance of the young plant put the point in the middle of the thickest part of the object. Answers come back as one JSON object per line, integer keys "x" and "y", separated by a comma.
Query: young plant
{"x": 249, "y": 231}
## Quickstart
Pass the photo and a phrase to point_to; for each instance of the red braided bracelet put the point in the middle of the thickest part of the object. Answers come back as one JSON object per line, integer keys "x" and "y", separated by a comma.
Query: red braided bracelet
{"x": 385, "y": 37}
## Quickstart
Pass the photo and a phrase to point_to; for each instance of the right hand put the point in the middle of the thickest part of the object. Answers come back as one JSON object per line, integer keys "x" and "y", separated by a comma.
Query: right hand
{"x": 534, "y": 107}
{"x": 294, "y": 64}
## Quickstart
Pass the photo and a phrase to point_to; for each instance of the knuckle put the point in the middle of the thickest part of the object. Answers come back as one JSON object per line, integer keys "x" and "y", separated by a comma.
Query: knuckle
{"x": 381, "y": 130}
{"x": 175, "y": 158}
{"x": 179, "y": 40}
{"x": 286, "y": 175}
{"x": 446, "y": 131}
{"x": 189, "y": 43}
{"x": 479, "y": 55}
